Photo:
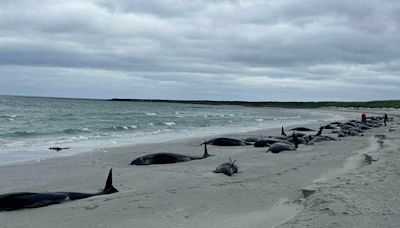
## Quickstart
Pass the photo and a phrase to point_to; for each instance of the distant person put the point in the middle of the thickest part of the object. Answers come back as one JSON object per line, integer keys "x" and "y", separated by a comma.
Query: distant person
{"x": 385, "y": 119}
{"x": 363, "y": 118}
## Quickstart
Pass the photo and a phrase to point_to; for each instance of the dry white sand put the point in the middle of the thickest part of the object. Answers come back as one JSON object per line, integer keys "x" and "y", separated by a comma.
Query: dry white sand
{"x": 267, "y": 191}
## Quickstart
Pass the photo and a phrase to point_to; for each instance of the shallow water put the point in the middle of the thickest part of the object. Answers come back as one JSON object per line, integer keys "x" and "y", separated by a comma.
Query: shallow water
{"x": 28, "y": 126}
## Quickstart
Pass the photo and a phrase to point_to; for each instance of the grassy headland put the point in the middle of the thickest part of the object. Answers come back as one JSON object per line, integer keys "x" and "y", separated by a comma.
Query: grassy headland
{"x": 317, "y": 104}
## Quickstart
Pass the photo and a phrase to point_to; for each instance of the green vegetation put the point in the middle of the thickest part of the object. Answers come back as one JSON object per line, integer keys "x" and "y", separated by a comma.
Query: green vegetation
{"x": 319, "y": 104}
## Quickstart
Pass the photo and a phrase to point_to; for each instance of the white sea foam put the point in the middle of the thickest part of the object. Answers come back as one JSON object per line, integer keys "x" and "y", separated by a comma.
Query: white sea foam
{"x": 169, "y": 123}
{"x": 150, "y": 113}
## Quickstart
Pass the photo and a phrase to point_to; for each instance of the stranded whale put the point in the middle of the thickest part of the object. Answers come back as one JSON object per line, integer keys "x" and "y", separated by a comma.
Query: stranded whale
{"x": 57, "y": 148}
{"x": 227, "y": 142}
{"x": 167, "y": 158}
{"x": 21, "y": 200}
{"x": 301, "y": 129}
{"x": 278, "y": 147}
{"x": 228, "y": 168}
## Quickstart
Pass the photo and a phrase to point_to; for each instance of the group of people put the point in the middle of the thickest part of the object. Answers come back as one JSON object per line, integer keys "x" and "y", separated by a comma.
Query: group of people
{"x": 364, "y": 118}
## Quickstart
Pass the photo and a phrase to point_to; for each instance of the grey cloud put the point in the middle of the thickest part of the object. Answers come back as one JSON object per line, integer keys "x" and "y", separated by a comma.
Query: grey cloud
{"x": 216, "y": 49}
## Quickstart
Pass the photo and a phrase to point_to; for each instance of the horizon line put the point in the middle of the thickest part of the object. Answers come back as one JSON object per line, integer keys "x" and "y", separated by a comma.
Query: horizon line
{"x": 189, "y": 100}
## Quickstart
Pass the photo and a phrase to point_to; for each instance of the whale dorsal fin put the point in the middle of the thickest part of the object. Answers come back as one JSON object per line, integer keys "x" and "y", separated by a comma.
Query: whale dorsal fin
{"x": 295, "y": 140}
{"x": 205, "y": 150}
{"x": 283, "y": 132}
{"x": 109, "y": 188}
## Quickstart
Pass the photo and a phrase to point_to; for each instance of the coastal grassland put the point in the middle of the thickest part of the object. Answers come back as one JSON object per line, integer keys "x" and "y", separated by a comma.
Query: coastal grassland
{"x": 311, "y": 104}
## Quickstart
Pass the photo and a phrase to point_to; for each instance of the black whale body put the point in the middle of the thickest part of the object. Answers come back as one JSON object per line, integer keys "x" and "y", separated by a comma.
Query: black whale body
{"x": 227, "y": 168}
{"x": 268, "y": 141}
{"x": 301, "y": 129}
{"x": 278, "y": 147}
{"x": 227, "y": 142}
{"x": 24, "y": 200}
{"x": 167, "y": 158}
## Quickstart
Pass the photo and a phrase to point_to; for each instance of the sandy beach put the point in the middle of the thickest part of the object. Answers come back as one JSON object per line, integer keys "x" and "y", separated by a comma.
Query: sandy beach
{"x": 345, "y": 190}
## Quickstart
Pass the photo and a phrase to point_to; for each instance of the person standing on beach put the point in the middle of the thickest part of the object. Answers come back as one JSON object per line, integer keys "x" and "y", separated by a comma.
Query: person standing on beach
{"x": 385, "y": 119}
{"x": 363, "y": 118}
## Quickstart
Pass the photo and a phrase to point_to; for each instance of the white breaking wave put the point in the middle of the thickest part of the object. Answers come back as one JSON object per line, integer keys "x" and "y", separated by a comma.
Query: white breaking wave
{"x": 150, "y": 113}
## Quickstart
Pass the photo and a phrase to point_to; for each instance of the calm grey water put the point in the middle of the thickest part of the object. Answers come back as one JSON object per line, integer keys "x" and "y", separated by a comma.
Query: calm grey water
{"x": 28, "y": 126}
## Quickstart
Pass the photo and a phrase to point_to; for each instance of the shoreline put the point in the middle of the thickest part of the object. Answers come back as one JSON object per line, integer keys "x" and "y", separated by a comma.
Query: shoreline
{"x": 178, "y": 136}
{"x": 184, "y": 194}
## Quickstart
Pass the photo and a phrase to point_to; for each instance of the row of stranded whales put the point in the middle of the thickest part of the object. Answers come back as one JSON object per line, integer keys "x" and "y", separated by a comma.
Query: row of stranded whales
{"x": 25, "y": 200}
{"x": 168, "y": 158}
{"x": 337, "y": 129}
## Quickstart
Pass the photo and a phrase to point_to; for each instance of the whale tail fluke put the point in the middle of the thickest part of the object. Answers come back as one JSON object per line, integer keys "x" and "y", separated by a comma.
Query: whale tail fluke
{"x": 232, "y": 166}
{"x": 232, "y": 162}
{"x": 109, "y": 188}
{"x": 206, "y": 154}
{"x": 320, "y": 131}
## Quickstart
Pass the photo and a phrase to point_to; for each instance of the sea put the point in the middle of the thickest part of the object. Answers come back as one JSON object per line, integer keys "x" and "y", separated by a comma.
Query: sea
{"x": 30, "y": 125}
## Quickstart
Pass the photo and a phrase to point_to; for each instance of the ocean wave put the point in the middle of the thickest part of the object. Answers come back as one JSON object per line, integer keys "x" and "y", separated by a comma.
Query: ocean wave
{"x": 8, "y": 116}
{"x": 150, "y": 113}
{"x": 259, "y": 120}
{"x": 119, "y": 128}
{"x": 289, "y": 117}
{"x": 169, "y": 123}
{"x": 178, "y": 114}
{"x": 21, "y": 134}
{"x": 156, "y": 132}
{"x": 75, "y": 130}
{"x": 80, "y": 137}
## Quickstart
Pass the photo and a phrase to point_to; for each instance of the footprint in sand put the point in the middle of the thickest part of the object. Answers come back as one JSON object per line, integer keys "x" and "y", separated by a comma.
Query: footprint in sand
{"x": 88, "y": 208}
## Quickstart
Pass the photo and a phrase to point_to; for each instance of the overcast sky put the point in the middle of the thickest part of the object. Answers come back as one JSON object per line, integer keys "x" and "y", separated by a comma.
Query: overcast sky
{"x": 215, "y": 49}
